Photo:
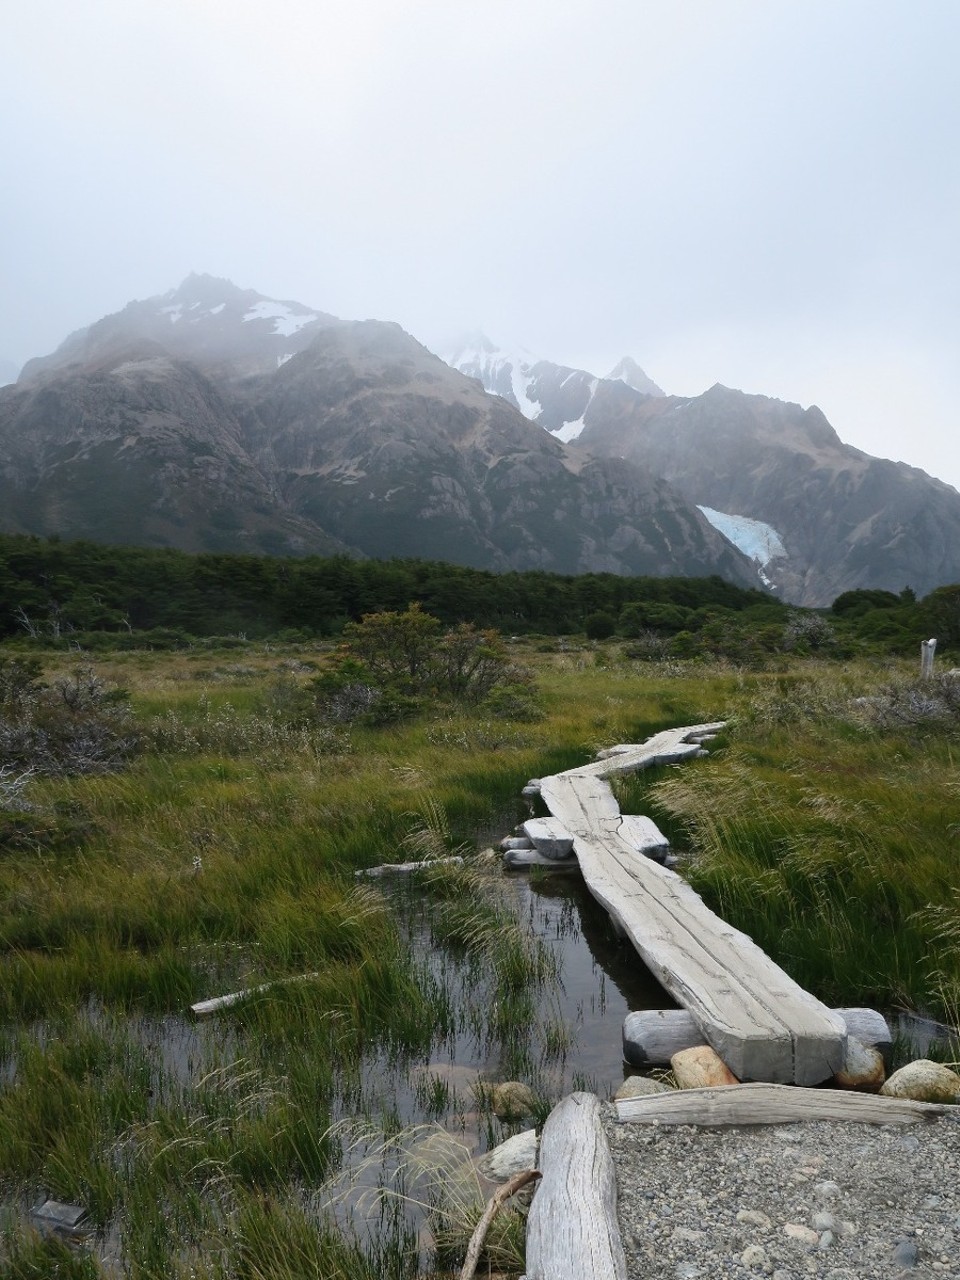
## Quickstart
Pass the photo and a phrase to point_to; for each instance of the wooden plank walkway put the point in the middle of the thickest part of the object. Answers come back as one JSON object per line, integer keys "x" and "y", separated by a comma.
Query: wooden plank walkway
{"x": 761, "y": 1023}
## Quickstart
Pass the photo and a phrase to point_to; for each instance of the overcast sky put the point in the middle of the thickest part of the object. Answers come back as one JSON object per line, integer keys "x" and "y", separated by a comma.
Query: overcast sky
{"x": 762, "y": 193}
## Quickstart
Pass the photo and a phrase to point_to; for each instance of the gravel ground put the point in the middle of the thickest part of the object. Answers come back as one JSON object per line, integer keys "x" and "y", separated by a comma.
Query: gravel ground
{"x": 838, "y": 1201}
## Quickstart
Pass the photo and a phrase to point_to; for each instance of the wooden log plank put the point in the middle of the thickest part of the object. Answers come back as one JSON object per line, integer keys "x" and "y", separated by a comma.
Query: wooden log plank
{"x": 405, "y": 868}
{"x": 761, "y": 1022}
{"x": 643, "y": 833}
{"x": 517, "y": 859}
{"x": 572, "y": 1228}
{"x": 749, "y": 1104}
{"x": 652, "y": 1036}
{"x": 203, "y": 1008}
{"x": 670, "y": 746}
{"x": 549, "y": 837}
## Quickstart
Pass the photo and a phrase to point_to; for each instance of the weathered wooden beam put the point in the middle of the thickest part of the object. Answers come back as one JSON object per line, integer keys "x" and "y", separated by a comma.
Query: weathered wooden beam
{"x": 549, "y": 837}
{"x": 519, "y": 859}
{"x": 405, "y": 868}
{"x": 761, "y": 1022}
{"x": 652, "y": 1036}
{"x": 572, "y": 1228}
{"x": 203, "y": 1008}
{"x": 747, "y": 1104}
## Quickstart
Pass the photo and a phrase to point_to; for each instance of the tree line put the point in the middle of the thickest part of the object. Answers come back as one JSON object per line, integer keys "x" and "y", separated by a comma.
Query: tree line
{"x": 58, "y": 591}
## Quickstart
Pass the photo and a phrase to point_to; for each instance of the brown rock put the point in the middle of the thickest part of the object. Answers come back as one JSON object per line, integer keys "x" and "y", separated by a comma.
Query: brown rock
{"x": 862, "y": 1068}
{"x": 700, "y": 1068}
{"x": 511, "y": 1099}
{"x": 924, "y": 1081}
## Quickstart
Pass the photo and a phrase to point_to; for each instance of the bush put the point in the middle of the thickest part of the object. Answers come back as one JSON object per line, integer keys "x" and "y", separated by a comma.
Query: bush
{"x": 75, "y": 726}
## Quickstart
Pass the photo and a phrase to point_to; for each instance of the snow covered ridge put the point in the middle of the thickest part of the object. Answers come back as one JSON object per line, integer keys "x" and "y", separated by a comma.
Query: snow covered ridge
{"x": 554, "y": 395}
{"x": 757, "y": 540}
{"x": 286, "y": 320}
{"x": 503, "y": 373}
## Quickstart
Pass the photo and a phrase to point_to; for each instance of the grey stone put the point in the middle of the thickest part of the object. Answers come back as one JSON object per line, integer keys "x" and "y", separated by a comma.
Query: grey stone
{"x": 61, "y": 1215}
{"x": 640, "y": 1087}
{"x": 905, "y": 1254}
{"x": 754, "y": 1256}
{"x": 510, "y": 1157}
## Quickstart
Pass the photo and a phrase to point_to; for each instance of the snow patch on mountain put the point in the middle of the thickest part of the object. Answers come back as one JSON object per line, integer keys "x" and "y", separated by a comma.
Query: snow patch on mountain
{"x": 520, "y": 381}
{"x": 755, "y": 538}
{"x": 286, "y": 321}
{"x": 503, "y": 373}
{"x": 572, "y": 429}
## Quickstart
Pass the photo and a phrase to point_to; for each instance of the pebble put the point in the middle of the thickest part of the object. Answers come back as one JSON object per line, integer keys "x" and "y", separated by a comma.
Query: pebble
{"x": 870, "y": 1202}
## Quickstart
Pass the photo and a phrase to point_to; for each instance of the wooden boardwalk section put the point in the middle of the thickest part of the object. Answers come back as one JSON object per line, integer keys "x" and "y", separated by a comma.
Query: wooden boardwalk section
{"x": 762, "y": 1024}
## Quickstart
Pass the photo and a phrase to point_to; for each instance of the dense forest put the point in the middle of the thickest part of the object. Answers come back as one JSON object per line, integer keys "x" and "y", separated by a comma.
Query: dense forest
{"x": 92, "y": 594}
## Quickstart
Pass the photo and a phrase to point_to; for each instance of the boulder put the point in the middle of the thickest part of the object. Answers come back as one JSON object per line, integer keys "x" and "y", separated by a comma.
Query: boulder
{"x": 924, "y": 1081}
{"x": 511, "y": 1157}
{"x": 700, "y": 1068}
{"x": 862, "y": 1068}
{"x": 511, "y": 1099}
{"x": 640, "y": 1087}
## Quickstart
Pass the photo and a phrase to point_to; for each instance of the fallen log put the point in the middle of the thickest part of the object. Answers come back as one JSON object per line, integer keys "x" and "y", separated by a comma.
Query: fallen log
{"x": 572, "y": 1228}
{"x": 749, "y": 1104}
{"x": 205, "y": 1007}
{"x": 405, "y": 868}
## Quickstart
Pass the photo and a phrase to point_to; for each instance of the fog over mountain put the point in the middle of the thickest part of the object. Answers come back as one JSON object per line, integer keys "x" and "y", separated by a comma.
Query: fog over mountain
{"x": 214, "y": 417}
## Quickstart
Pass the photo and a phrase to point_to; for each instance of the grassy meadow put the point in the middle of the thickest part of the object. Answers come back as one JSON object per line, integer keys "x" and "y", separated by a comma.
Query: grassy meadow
{"x": 825, "y": 823}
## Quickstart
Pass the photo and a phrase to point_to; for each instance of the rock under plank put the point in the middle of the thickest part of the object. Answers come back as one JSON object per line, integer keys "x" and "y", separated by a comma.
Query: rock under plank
{"x": 652, "y": 1036}
{"x": 549, "y": 837}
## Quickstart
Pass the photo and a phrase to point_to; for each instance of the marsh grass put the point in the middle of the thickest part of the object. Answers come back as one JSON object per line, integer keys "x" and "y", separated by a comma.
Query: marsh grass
{"x": 223, "y": 859}
{"x": 829, "y": 834}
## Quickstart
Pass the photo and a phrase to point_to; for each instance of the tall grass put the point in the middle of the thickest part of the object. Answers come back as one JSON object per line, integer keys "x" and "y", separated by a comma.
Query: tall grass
{"x": 828, "y": 832}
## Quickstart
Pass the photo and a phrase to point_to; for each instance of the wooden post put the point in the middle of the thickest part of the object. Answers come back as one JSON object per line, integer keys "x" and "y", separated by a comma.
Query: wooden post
{"x": 927, "y": 649}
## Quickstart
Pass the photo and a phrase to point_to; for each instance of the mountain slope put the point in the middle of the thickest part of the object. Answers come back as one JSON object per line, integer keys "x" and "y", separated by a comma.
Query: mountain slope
{"x": 142, "y": 450}
{"x": 817, "y": 516}
{"x": 846, "y": 520}
{"x": 398, "y": 454}
{"x": 213, "y": 418}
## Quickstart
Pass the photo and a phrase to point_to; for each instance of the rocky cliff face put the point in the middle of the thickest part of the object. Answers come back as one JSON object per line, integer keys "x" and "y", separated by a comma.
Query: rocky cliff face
{"x": 143, "y": 449}
{"x": 820, "y": 516}
{"x": 213, "y": 418}
{"x": 845, "y": 520}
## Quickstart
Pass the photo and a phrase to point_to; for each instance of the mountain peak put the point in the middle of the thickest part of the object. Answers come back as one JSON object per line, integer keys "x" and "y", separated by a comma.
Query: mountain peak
{"x": 627, "y": 370}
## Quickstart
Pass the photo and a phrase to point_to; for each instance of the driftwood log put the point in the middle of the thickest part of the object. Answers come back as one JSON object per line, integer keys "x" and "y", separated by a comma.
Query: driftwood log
{"x": 572, "y": 1228}
{"x": 406, "y": 868}
{"x": 762, "y": 1023}
{"x": 748, "y": 1104}
{"x": 652, "y": 1036}
{"x": 203, "y": 1008}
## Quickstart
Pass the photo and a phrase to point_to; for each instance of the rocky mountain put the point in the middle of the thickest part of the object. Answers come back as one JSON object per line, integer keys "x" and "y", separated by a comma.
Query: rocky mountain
{"x": 215, "y": 418}
{"x": 552, "y": 395}
{"x": 816, "y": 516}
{"x": 227, "y": 331}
